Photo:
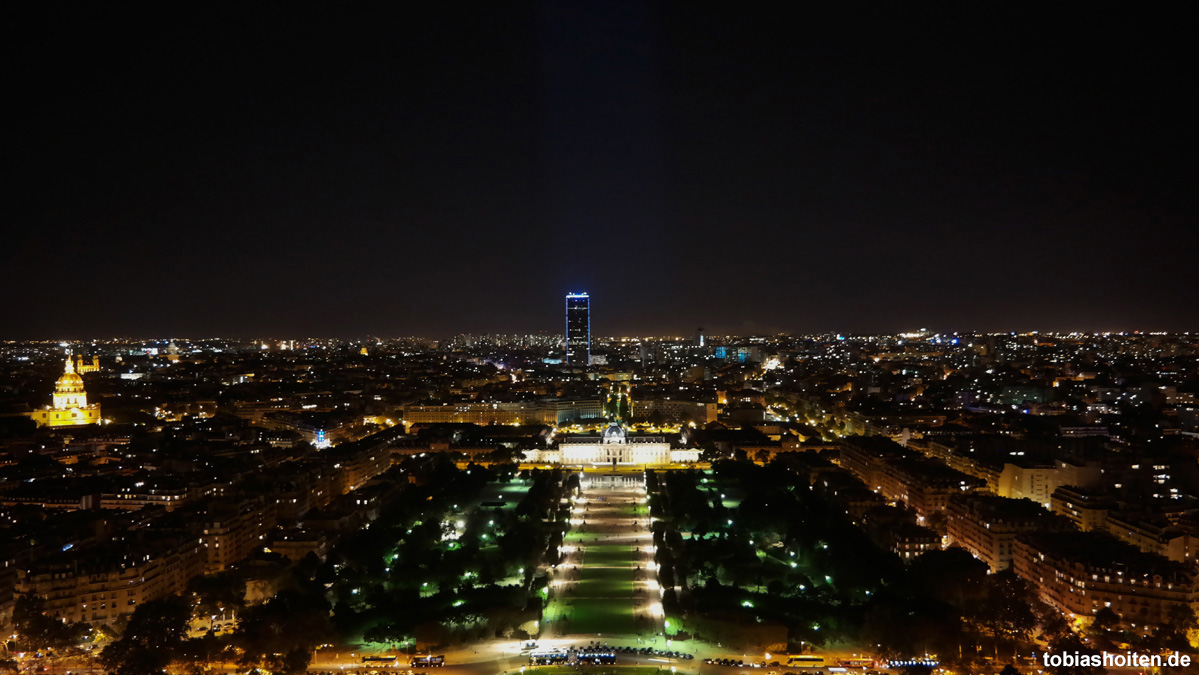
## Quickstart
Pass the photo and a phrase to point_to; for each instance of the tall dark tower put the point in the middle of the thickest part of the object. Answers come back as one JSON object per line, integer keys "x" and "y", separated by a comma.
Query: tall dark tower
{"x": 578, "y": 329}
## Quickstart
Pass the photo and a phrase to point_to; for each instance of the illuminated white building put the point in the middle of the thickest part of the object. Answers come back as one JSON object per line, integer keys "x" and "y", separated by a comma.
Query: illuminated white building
{"x": 614, "y": 446}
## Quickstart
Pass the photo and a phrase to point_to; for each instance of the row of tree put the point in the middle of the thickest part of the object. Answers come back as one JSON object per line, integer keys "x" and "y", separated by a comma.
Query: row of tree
{"x": 786, "y": 556}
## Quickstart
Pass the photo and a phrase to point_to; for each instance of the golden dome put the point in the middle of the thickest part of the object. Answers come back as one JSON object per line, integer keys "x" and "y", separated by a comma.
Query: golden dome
{"x": 70, "y": 382}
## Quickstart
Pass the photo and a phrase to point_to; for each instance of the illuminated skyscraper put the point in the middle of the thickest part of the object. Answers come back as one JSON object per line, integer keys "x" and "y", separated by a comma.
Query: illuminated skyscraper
{"x": 578, "y": 329}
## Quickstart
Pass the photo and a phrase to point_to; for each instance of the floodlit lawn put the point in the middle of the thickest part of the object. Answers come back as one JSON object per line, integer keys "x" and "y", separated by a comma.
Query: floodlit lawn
{"x": 604, "y": 582}
{"x": 508, "y": 493}
{"x": 605, "y": 555}
{"x": 606, "y": 616}
{"x": 601, "y": 600}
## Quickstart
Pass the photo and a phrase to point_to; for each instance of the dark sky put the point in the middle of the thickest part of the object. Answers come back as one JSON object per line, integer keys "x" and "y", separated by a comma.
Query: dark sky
{"x": 300, "y": 171}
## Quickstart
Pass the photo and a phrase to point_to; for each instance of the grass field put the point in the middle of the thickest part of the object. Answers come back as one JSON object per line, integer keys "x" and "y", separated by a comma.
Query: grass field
{"x": 604, "y": 582}
{"x": 602, "y": 600}
{"x": 610, "y": 555}
{"x": 601, "y": 616}
{"x": 509, "y": 494}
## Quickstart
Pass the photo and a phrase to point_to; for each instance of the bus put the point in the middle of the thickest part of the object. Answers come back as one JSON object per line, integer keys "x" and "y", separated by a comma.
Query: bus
{"x": 597, "y": 657}
{"x": 806, "y": 661}
{"x": 381, "y": 660}
{"x": 548, "y": 657}
{"x": 428, "y": 661}
{"x": 856, "y": 663}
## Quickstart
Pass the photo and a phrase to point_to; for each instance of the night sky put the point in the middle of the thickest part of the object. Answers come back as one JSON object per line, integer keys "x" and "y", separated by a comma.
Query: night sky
{"x": 198, "y": 170}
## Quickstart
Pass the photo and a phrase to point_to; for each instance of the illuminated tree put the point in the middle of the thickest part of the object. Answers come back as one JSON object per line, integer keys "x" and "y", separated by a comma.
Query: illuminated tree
{"x": 152, "y": 639}
{"x": 36, "y": 630}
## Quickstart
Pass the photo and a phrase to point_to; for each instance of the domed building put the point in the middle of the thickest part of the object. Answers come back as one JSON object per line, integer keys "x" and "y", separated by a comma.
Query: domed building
{"x": 70, "y": 403}
{"x": 615, "y": 446}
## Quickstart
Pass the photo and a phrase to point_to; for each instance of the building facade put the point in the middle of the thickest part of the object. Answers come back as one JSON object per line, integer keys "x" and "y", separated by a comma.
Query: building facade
{"x": 614, "y": 446}
{"x": 671, "y": 410}
{"x": 987, "y": 525}
{"x": 101, "y": 587}
{"x": 578, "y": 329}
{"x": 1080, "y": 573}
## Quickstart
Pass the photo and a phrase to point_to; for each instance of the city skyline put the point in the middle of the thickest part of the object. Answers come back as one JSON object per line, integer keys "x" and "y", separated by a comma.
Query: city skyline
{"x": 314, "y": 506}
{"x": 893, "y": 364}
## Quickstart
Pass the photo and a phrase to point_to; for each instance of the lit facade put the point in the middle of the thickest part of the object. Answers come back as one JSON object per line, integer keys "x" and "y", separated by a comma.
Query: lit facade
{"x": 1087, "y": 511}
{"x": 81, "y": 367}
{"x": 1081, "y": 573}
{"x": 70, "y": 406}
{"x": 614, "y": 446}
{"x": 578, "y": 329}
{"x": 987, "y": 526}
{"x": 104, "y": 585}
{"x": 677, "y": 411}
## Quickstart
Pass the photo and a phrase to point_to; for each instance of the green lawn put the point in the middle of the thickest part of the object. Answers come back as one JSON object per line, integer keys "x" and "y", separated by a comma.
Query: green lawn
{"x": 610, "y": 555}
{"x": 509, "y": 494}
{"x": 595, "y": 615}
{"x": 604, "y": 582}
{"x": 602, "y": 600}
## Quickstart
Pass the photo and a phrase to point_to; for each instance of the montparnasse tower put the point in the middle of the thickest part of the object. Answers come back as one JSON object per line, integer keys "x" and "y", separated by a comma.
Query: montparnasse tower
{"x": 70, "y": 403}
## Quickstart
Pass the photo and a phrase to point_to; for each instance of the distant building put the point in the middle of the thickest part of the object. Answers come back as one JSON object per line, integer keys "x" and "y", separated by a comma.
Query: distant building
{"x": 673, "y": 410}
{"x": 81, "y": 367}
{"x": 909, "y": 540}
{"x": 1011, "y": 468}
{"x": 901, "y": 475}
{"x": 104, "y": 583}
{"x": 1086, "y": 510}
{"x": 545, "y": 411}
{"x": 614, "y": 446}
{"x": 578, "y": 329}
{"x": 987, "y": 525}
{"x": 70, "y": 403}
{"x": 1080, "y": 573}
{"x": 1152, "y": 534}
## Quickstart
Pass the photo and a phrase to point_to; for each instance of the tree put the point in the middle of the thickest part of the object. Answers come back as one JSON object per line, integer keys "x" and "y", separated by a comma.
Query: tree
{"x": 36, "y": 630}
{"x": 218, "y": 593}
{"x": 1050, "y": 621}
{"x": 152, "y": 639}
{"x": 1105, "y": 624}
{"x": 291, "y": 624}
{"x": 1172, "y": 635}
{"x": 1007, "y": 610}
{"x": 388, "y": 632}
